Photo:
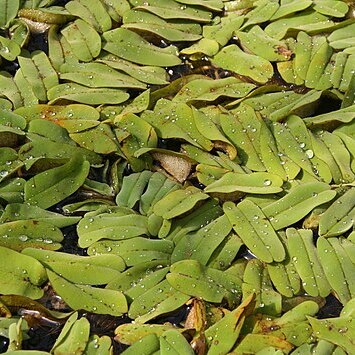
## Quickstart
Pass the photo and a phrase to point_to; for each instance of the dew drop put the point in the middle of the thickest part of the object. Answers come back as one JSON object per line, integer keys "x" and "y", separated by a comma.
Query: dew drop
{"x": 309, "y": 153}
{"x": 267, "y": 182}
{"x": 3, "y": 173}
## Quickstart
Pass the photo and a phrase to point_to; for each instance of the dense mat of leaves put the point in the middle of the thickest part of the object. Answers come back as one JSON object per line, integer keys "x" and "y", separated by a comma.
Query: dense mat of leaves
{"x": 183, "y": 169}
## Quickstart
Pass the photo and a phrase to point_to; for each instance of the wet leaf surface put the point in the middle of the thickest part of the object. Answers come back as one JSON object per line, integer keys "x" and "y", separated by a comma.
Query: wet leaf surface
{"x": 177, "y": 176}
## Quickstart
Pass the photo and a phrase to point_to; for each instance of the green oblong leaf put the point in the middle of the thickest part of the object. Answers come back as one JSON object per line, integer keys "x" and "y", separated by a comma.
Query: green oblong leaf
{"x": 21, "y": 234}
{"x": 255, "y": 343}
{"x": 173, "y": 32}
{"x": 340, "y": 154}
{"x": 86, "y": 95}
{"x": 331, "y": 7}
{"x": 174, "y": 341}
{"x": 92, "y": 299}
{"x": 21, "y": 274}
{"x": 259, "y": 43}
{"x": 195, "y": 220}
{"x": 135, "y": 250}
{"x": 91, "y": 11}
{"x": 234, "y": 59}
{"x": 55, "y": 152}
{"x": 339, "y": 217}
{"x": 242, "y": 127}
{"x": 79, "y": 32}
{"x": 256, "y": 231}
{"x": 98, "y": 344}
{"x": 318, "y": 64}
{"x": 148, "y": 343}
{"x": 263, "y": 10}
{"x": 99, "y": 139}
{"x": 271, "y": 156}
{"x": 52, "y": 186}
{"x": 210, "y": 90}
{"x": 114, "y": 226}
{"x": 302, "y": 21}
{"x": 11, "y": 190}
{"x": 297, "y": 203}
{"x": 8, "y": 11}
{"x": 73, "y": 117}
{"x": 98, "y": 75}
{"x": 89, "y": 270}
{"x": 131, "y": 332}
{"x": 338, "y": 267}
{"x": 254, "y": 183}
{"x": 285, "y": 278}
{"x": 195, "y": 279}
{"x": 169, "y": 9}
{"x": 339, "y": 331}
{"x": 160, "y": 299}
{"x": 39, "y": 73}
{"x": 201, "y": 245}
{"x": 288, "y": 8}
{"x": 178, "y": 202}
{"x": 222, "y": 335}
{"x": 344, "y": 115}
{"x": 146, "y": 74}
{"x": 256, "y": 281}
{"x": 17, "y": 89}
{"x": 9, "y": 162}
{"x": 9, "y": 49}
{"x": 74, "y": 339}
{"x": 176, "y": 120}
{"x": 127, "y": 44}
{"x": 137, "y": 279}
{"x": 304, "y": 257}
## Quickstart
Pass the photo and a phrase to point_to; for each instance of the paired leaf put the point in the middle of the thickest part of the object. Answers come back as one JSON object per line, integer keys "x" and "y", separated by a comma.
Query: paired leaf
{"x": 222, "y": 335}
{"x": 79, "y": 32}
{"x": 255, "y": 183}
{"x": 256, "y": 280}
{"x": 192, "y": 278}
{"x": 52, "y": 186}
{"x": 21, "y": 274}
{"x": 73, "y": 337}
{"x": 160, "y": 299}
{"x": 93, "y": 270}
{"x": 338, "y": 265}
{"x": 92, "y": 299}
{"x": 9, "y": 11}
{"x": 135, "y": 250}
{"x": 118, "y": 225}
{"x": 130, "y": 46}
{"x": 339, "y": 217}
{"x": 39, "y": 73}
{"x": 178, "y": 202}
{"x": 339, "y": 331}
{"x": 303, "y": 254}
{"x": 86, "y": 95}
{"x": 23, "y": 233}
{"x": 300, "y": 200}
{"x": 256, "y": 231}
{"x": 233, "y": 58}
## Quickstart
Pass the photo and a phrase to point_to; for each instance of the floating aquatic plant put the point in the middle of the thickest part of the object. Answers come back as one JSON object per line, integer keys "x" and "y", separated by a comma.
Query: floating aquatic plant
{"x": 184, "y": 168}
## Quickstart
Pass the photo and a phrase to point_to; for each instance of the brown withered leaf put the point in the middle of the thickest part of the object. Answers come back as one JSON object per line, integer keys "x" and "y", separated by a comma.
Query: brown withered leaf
{"x": 177, "y": 167}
